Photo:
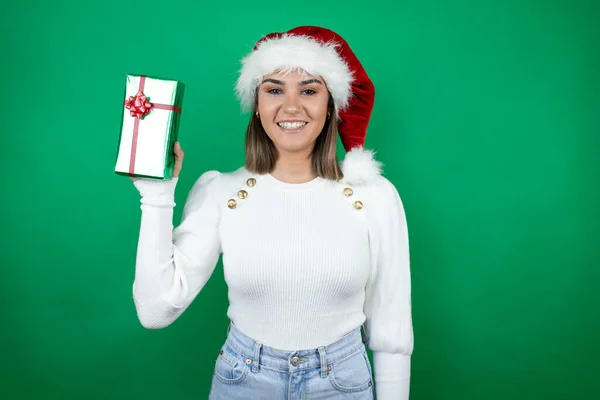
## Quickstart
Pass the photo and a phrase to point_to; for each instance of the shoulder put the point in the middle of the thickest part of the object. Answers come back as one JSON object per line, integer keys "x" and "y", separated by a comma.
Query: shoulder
{"x": 216, "y": 184}
{"x": 363, "y": 173}
{"x": 382, "y": 207}
{"x": 382, "y": 202}
{"x": 210, "y": 189}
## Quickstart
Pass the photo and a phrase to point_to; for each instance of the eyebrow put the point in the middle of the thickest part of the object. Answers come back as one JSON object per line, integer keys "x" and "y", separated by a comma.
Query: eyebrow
{"x": 278, "y": 82}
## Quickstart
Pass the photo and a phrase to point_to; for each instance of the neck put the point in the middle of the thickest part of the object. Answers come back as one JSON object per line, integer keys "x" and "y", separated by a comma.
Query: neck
{"x": 294, "y": 167}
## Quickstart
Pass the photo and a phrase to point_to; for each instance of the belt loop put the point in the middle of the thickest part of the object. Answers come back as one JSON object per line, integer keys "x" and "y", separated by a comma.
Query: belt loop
{"x": 323, "y": 361}
{"x": 255, "y": 361}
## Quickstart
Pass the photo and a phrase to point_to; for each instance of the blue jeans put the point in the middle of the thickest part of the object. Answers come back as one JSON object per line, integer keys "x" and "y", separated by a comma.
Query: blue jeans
{"x": 246, "y": 369}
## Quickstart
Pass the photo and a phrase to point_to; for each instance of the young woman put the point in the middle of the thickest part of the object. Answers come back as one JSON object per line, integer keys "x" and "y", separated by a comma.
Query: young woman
{"x": 312, "y": 250}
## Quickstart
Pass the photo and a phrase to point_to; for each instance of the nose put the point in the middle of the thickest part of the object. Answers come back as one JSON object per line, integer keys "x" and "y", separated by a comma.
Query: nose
{"x": 291, "y": 103}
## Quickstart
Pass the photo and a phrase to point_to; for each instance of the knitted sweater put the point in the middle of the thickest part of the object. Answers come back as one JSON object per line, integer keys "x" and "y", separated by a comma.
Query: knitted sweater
{"x": 304, "y": 263}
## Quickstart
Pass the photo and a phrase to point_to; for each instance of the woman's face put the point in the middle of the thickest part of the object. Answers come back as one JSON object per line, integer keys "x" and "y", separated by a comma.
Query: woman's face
{"x": 293, "y": 109}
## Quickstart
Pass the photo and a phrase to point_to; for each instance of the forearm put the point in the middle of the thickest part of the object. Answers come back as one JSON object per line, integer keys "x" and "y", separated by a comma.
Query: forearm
{"x": 392, "y": 376}
{"x": 174, "y": 264}
{"x": 154, "y": 270}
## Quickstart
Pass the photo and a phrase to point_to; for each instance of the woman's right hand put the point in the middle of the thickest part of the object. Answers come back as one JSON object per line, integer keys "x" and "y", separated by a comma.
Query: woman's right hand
{"x": 178, "y": 159}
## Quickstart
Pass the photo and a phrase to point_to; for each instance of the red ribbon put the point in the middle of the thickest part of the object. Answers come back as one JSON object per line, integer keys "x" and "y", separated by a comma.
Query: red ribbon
{"x": 139, "y": 107}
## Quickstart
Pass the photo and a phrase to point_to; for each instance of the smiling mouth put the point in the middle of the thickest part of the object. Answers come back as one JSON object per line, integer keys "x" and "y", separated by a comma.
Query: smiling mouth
{"x": 292, "y": 126}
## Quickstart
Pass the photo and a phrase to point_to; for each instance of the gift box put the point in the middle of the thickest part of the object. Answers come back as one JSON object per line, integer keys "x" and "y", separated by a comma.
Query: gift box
{"x": 149, "y": 127}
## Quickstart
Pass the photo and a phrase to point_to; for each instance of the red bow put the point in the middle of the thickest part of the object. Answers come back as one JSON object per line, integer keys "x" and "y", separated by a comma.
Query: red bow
{"x": 138, "y": 105}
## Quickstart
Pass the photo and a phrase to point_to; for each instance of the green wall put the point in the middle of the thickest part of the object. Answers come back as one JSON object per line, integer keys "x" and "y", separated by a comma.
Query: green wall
{"x": 487, "y": 118}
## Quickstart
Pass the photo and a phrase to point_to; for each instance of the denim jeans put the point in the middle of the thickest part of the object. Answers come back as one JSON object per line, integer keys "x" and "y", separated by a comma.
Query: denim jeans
{"x": 246, "y": 369}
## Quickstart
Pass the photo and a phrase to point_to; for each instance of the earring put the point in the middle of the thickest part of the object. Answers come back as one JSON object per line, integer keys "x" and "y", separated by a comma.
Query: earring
{"x": 328, "y": 114}
{"x": 257, "y": 116}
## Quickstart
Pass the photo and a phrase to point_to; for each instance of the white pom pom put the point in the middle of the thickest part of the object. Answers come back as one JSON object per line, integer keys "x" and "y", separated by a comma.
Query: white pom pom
{"x": 360, "y": 167}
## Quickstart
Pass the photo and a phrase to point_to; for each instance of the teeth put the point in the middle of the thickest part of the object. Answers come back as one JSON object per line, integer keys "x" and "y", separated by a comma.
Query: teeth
{"x": 291, "y": 125}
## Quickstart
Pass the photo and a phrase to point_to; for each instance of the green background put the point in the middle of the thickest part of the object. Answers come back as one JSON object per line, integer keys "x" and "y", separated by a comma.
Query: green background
{"x": 487, "y": 120}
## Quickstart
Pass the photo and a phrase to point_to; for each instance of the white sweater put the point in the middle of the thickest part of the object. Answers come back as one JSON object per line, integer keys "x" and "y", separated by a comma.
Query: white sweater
{"x": 303, "y": 264}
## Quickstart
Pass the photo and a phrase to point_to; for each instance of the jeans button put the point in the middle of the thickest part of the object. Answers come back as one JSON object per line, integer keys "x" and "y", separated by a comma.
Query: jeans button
{"x": 295, "y": 361}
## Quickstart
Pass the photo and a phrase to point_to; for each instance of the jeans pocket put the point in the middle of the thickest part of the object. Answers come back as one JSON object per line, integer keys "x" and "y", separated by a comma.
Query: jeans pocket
{"x": 352, "y": 374}
{"x": 230, "y": 367}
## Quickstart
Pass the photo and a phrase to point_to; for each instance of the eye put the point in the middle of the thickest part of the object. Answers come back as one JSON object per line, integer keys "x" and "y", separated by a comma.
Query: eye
{"x": 309, "y": 92}
{"x": 274, "y": 91}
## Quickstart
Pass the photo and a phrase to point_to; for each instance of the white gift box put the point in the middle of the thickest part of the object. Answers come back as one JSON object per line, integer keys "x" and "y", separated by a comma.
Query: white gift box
{"x": 148, "y": 153}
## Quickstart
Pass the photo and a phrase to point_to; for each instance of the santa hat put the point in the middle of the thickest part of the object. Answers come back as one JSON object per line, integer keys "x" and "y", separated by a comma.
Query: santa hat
{"x": 322, "y": 52}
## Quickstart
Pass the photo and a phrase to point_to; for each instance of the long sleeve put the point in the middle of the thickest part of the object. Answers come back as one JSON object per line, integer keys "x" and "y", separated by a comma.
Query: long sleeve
{"x": 388, "y": 325}
{"x": 173, "y": 265}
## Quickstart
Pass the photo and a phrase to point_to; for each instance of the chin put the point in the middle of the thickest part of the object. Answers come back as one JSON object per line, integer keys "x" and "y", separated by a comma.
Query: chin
{"x": 292, "y": 142}
{"x": 293, "y": 147}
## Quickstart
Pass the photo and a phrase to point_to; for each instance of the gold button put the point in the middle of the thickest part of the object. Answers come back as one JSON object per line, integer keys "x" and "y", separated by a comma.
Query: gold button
{"x": 231, "y": 203}
{"x": 248, "y": 361}
{"x": 329, "y": 368}
{"x": 242, "y": 194}
{"x": 251, "y": 182}
{"x": 369, "y": 383}
{"x": 348, "y": 191}
{"x": 358, "y": 205}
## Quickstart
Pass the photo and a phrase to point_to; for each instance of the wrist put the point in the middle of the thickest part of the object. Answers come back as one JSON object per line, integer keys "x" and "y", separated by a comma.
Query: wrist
{"x": 156, "y": 191}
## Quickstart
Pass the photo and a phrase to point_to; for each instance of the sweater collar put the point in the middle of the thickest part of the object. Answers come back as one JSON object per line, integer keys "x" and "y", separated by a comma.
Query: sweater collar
{"x": 270, "y": 180}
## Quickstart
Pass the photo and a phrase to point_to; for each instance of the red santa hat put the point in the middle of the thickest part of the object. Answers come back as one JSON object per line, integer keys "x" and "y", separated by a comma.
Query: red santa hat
{"x": 322, "y": 52}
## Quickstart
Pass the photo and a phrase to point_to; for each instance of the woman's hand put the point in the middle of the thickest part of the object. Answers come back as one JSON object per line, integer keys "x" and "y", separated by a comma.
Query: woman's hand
{"x": 178, "y": 159}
